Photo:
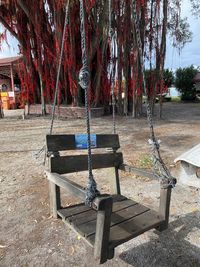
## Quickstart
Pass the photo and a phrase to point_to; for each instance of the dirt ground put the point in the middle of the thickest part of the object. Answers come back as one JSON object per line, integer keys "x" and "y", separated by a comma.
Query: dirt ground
{"x": 30, "y": 237}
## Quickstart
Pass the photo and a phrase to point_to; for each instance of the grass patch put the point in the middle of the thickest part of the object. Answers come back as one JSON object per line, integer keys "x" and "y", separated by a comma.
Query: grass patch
{"x": 176, "y": 99}
{"x": 145, "y": 162}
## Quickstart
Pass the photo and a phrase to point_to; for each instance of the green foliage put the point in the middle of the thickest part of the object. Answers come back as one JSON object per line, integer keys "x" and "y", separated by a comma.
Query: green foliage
{"x": 184, "y": 82}
{"x": 176, "y": 99}
{"x": 195, "y": 7}
{"x": 168, "y": 77}
{"x": 146, "y": 162}
{"x": 181, "y": 34}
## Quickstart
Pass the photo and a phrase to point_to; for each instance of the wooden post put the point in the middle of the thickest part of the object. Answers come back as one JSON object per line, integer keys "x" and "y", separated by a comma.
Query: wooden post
{"x": 165, "y": 197}
{"x": 12, "y": 78}
{"x": 1, "y": 108}
{"x": 54, "y": 197}
{"x": 12, "y": 82}
{"x": 43, "y": 106}
{"x": 101, "y": 246}
{"x": 117, "y": 183}
{"x": 117, "y": 189}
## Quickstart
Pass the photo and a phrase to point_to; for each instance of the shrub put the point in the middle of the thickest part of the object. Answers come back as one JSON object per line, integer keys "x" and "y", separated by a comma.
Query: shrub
{"x": 184, "y": 82}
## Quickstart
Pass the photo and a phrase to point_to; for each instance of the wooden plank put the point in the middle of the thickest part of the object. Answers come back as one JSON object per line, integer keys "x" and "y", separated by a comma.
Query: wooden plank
{"x": 77, "y": 232}
{"x": 128, "y": 213}
{"x": 164, "y": 208}
{"x": 67, "y": 142}
{"x": 67, "y": 184}
{"x": 137, "y": 225}
{"x": 76, "y": 163}
{"x": 88, "y": 228}
{"x": 81, "y": 218}
{"x": 137, "y": 171}
{"x": 81, "y": 208}
{"x": 117, "y": 182}
{"x": 54, "y": 199}
{"x": 101, "y": 245}
{"x": 117, "y": 198}
{"x": 123, "y": 204}
{"x": 108, "y": 141}
{"x": 60, "y": 142}
{"x": 73, "y": 210}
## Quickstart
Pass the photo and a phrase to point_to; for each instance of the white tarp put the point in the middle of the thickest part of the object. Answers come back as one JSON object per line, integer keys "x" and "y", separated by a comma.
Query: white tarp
{"x": 192, "y": 156}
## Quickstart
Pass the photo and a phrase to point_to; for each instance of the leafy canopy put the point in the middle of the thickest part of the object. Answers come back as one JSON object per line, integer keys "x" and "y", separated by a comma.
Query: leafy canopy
{"x": 184, "y": 82}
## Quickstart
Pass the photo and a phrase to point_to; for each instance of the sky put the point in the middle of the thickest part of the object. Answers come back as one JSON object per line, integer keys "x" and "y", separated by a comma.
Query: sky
{"x": 189, "y": 55}
{"x": 12, "y": 49}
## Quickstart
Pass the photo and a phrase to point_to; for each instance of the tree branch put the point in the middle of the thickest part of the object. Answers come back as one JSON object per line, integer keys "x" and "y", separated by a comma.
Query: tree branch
{"x": 24, "y": 8}
{"x": 7, "y": 26}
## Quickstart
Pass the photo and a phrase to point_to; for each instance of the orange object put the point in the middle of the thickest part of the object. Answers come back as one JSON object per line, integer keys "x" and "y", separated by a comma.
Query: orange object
{"x": 5, "y": 100}
{"x": 6, "y": 103}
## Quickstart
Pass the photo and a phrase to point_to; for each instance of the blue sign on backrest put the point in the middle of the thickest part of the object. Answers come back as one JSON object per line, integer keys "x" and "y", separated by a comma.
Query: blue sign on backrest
{"x": 81, "y": 141}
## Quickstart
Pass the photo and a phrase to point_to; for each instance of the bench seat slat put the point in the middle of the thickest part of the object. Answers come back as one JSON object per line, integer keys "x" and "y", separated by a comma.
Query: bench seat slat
{"x": 67, "y": 142}
{"x": 76, "y": 163}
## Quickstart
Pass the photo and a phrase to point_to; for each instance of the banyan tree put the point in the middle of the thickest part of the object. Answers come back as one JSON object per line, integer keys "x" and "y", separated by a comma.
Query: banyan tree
{"x": 38, "y": 27}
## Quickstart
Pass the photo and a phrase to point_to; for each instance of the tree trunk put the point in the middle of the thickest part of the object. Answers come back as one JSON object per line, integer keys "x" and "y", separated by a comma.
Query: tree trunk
{"x": 1, "y": 109}
{"x": 119, "y": 70}
{"x": 97, "y": 78}
{"x": 43, "y": 106}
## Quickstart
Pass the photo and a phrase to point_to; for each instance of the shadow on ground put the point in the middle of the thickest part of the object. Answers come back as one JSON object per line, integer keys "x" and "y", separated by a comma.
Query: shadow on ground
{"x": 171, "y": 248}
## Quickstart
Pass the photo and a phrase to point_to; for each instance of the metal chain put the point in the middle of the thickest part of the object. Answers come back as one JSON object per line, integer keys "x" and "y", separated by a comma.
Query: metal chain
{"x": 155, "y": 144}
{"x": 112, "y": 71}
{"x": 84, "y": 81}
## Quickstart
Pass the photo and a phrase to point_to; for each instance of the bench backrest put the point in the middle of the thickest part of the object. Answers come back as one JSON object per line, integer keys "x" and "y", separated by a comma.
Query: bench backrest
{"x": 76, "y": 163}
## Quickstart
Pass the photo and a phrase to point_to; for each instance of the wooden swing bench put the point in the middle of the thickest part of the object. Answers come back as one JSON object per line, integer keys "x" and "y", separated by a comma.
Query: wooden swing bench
{"x": 113, "y": 219}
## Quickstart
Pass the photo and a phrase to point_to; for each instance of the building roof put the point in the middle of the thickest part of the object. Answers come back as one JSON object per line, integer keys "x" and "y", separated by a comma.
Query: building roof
{"x": 197, "y": 77}
{"x": 9, "y": 60}
{"x": 6, "y": 63}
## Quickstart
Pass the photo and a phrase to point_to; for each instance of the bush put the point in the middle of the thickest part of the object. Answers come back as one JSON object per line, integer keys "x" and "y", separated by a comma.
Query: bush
{"x": 184, "y": 82}
{"x": 168, "y": 77}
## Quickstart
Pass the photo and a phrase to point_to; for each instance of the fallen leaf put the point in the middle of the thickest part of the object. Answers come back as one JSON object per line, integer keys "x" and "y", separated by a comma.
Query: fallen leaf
{"x": 195, "y": 209}
{"x": 59, "y": 244}
{"x": 1, "y": 246}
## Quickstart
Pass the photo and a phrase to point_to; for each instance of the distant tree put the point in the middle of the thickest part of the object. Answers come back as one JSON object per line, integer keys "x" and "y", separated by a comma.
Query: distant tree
{"x": 168, "y": 77}
{"x": 180, "y": 34}
{"x": 195, "y": 7}
{"x": 152, "y": 75}
{"x": 184, "y": 82}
